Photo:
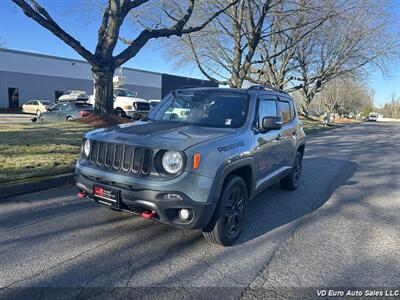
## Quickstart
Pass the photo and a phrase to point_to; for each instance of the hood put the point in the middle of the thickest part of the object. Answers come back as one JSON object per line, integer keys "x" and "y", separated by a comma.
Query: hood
{"x": 131, "y": 99}
{"x": 160, "y": 135}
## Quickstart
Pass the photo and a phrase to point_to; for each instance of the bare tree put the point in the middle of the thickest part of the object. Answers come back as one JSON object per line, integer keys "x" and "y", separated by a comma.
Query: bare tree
{"x": 345, "y": 96}
{"x": 174, "y": 20}
{"x": 223, "y": 52}
{"x": 391, "y": 109}
{"x": 231, "y": 49}
{"x": 275, "y": 64}
{"x": 354, "y": 42}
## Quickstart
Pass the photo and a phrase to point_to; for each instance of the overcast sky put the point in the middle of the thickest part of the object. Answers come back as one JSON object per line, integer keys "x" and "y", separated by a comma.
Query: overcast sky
{"x": 21, "y": 33}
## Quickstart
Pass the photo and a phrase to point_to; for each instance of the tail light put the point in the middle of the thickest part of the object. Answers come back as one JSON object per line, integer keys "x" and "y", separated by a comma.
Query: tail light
{"x": 84, "y": 113}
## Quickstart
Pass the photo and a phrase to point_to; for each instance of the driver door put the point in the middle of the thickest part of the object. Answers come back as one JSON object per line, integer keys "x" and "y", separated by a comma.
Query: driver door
{"x": 268, "y": 152}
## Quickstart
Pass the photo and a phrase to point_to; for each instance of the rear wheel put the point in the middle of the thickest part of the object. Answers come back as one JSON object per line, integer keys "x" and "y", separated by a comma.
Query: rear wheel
{"x": 290, "y": 182}
{"x": 227, "y": 222}
{"x": 69, "y": 119}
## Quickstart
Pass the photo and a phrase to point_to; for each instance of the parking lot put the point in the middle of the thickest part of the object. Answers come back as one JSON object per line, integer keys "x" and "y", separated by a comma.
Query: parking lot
{"x": 340, "y": 228}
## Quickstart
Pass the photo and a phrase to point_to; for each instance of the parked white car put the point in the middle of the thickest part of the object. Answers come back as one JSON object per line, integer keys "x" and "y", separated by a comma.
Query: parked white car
{"x": 36, "y": 107}
{"x": 127, "y": 104}
{"x": 154, "y": 103}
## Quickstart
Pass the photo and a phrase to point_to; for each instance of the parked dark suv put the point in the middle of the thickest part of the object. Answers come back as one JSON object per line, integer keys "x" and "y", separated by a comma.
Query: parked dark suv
{"x": 197, "y": 158}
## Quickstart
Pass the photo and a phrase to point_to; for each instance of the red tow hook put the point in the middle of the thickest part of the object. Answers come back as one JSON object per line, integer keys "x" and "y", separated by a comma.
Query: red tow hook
{"x": 82, "y": 195}
{"x": 148, "y": 214}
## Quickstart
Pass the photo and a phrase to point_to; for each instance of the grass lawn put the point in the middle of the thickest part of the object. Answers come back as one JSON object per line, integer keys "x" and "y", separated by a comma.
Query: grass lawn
{"x": 36, "y": 150}
{"x": 313, "y": 125}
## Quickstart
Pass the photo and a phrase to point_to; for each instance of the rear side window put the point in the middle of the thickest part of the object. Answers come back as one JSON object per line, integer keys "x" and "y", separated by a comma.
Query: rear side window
{"x": 65, "y": 107}
{"x": 83, "y": 105}
{"x": 285, "y": 112}
{"x": 292, "y": 110}
{"x": 266, "y": 108}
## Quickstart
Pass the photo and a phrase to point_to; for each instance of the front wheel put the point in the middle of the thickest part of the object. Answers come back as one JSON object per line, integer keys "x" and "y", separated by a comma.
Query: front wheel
{"x": 227, "y": 222}
{"x": 120, "y": 113}
{"x": 291, "y": 181}
{"x": 69, "y": 119}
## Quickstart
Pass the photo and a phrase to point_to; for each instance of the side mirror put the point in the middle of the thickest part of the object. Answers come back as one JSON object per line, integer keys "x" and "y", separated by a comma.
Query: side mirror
{"x": 272, "y": 123}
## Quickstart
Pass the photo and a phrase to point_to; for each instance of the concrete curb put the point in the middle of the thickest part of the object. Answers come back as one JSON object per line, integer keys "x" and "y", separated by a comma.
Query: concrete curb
{"x": 35, "y": 185}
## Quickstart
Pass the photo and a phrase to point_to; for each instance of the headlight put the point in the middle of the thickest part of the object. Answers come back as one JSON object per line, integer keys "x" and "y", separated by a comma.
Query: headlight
{"x": 86, "y": 148}
{"x": 172, "y": 162}
{"x": 128, "y": 107}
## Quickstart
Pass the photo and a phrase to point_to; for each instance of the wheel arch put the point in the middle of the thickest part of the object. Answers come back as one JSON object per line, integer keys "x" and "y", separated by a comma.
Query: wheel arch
{"x": 244, "y": 168}
{"x": 300, "y": 148}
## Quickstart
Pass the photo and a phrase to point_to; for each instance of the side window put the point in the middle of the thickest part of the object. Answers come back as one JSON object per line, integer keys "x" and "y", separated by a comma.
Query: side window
{"x": 266, "y": 108}
{"x": 65, "y": 107}
{"x": 57, "y": 107}
{"x": 284, "y": 110}
{"x": 34, "y": 103}
{"x": 292, "y": 110}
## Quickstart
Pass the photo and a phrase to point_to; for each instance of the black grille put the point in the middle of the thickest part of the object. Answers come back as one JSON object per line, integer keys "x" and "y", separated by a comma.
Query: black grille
{"x": 121, "y": 157}
{"x": 142, "y": 106}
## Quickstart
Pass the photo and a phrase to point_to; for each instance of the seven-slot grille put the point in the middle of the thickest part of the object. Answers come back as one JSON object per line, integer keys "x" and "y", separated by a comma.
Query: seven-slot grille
{"x": 142, "y": 106}
{"x": 136, "y": 160}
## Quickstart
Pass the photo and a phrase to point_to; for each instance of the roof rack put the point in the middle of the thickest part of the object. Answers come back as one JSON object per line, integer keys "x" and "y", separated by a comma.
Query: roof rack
{"x": 269, "y": 87}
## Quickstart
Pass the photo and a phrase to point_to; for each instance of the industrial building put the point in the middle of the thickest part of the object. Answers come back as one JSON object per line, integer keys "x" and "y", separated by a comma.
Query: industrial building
{"x": 28, "y": 76}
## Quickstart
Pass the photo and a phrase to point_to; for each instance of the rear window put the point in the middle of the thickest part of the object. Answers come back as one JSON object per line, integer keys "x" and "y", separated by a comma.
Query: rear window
{"x": 84, "y": 105}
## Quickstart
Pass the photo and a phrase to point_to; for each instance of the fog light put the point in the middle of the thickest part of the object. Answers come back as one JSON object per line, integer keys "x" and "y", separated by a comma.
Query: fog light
{"x": 185, "y": 214}
{"x": 172, "y": 197}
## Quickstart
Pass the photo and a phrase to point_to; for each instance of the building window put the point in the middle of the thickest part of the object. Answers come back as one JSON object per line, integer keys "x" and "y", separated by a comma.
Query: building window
{"x": 13, "y": 97}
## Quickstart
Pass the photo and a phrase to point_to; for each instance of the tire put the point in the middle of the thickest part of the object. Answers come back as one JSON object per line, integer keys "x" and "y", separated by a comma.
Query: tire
{"x": 231, "y": 208}
{"x": 69, "y": 119}
{"x": 119, "y": 112}
{"x": 291, "y": 181}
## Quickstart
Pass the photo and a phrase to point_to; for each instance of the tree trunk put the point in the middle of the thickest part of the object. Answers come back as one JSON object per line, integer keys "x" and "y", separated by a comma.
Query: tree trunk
{"x": 305, "y": 107}
{"x": 103, "y": 94}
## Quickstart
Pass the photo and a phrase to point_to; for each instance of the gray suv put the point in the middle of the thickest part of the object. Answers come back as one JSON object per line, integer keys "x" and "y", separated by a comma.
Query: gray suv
{"x": 197, "y": 158}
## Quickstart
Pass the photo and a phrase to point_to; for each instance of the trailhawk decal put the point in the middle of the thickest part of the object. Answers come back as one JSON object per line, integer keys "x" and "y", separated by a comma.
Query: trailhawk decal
{"x": 230, "y": 147}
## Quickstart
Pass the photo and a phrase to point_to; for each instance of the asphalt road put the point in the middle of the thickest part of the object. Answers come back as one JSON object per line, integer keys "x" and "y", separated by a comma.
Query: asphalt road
{"x": 340, "y": 228}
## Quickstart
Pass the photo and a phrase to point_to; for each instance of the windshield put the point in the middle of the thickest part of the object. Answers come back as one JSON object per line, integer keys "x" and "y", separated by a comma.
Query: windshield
{"x": 124, "y": 93}
{"x": 204, "y": 108}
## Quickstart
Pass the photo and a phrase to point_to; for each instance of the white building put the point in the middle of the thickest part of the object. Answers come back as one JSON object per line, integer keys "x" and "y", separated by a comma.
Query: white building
{"x": 26, "y": 76}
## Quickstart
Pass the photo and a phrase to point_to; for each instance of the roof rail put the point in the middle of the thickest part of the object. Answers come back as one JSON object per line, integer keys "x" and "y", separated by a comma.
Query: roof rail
{"x": 269, "y": 87}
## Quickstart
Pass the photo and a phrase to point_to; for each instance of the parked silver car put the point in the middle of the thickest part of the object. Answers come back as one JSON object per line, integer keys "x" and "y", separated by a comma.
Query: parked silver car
{"x": 66, "y": 111}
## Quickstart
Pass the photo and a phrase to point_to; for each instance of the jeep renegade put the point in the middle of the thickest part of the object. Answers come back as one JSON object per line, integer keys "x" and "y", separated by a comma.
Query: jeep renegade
{"x": 197, "y": 158}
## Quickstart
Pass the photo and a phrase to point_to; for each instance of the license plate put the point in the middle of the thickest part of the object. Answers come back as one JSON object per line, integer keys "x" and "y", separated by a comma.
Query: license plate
{"x": 106, "y": 195}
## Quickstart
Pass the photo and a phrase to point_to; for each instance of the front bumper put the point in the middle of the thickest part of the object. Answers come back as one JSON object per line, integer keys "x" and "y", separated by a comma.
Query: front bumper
{"x": 136, "y": 114}
{"x": 139, "y": 200}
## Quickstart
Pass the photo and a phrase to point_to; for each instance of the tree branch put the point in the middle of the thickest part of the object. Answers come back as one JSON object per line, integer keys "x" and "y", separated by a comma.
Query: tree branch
{"x": 40, "y": 15}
